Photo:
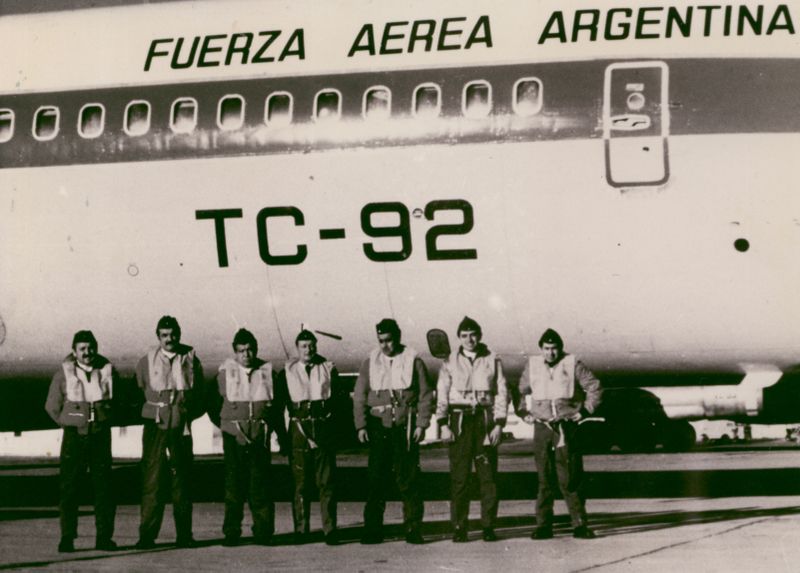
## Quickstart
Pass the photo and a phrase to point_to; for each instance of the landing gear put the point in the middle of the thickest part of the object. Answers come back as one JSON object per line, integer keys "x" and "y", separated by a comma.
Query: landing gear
{"x": 638, "y": 436}
{"x": 678, "y": 436}
{"x": 594, "y": 438}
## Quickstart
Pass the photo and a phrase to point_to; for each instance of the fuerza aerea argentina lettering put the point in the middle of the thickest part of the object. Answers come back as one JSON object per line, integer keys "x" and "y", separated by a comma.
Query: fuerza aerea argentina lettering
{"x": 225, "y": 50}
{"x": 407, "y": 37}
{"x": 654, "y": 22}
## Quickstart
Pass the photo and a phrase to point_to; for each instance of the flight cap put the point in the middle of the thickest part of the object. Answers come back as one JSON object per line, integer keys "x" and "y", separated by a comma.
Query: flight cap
{"x": 469, "y": 324}
{"x": 388, "y": 326}
{"x": 550, "y": 336}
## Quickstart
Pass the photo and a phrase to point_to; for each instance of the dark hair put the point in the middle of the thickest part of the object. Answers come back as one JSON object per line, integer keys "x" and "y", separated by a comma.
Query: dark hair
{"x": 84, "y": 336}
{"x": 305, "y": 335}
{"x": 550, "y": 336}
{"x": 388, "y": 326}
{"x": 167, "y": 321}
{"x": 244, "y": 336}
{"x": 469, "y": 324}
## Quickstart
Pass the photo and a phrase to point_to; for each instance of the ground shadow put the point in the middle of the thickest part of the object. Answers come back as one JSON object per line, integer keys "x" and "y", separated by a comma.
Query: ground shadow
{"x": 508, "y": 527}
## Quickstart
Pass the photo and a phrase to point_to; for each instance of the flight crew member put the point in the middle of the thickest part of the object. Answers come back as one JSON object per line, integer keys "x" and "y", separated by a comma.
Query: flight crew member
{"x": 305, "y": 390}
{"x": 471, "y": 409}
{"x": 79, "y": 400}
{"x": 562, "y": 391}
{"x": 171, "y": 377}
{"x": 242, "y": 405}
{"x": 392, "y": 406}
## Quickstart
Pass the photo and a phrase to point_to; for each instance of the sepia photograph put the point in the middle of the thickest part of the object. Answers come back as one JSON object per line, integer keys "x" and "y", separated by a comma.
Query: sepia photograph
{"x": 410, "y": 285}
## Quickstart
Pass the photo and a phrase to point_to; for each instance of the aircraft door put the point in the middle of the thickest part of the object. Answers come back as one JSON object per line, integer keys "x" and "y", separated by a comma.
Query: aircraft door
{"x": 636, "y": 123}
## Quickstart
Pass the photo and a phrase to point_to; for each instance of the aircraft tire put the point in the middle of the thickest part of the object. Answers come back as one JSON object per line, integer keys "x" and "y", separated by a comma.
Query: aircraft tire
{"x": 594, "y": 438}
{"x": 679, "y": 436}
{"x": 636, "y": 438}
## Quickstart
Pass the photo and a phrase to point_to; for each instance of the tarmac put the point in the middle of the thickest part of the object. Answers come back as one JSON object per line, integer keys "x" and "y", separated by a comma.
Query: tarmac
{"x": 723, "y": 509}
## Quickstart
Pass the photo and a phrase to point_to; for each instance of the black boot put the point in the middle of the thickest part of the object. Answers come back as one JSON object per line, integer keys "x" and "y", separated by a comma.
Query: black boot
{"x": 414, "y": 537}
{"x": 542, "y": 532}
{"x": 583, "y": 532}
{"x": 105, "y": 545}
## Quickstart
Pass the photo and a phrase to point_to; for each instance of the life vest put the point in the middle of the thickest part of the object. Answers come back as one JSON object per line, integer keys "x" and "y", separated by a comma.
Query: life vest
{"x": 87, "y": 395}
{"x": 239, "y": 387}
{"x": 312, "y": 386}
{"x": 169, "y": 387}
{"x": 553, "y": 383}
{"x": 82, "y": 386}
{"x": 480, "y": 375}
{"x": 177, "y": 374}
{"x": 397, "y": 376}
{"x": 245, "y": 410}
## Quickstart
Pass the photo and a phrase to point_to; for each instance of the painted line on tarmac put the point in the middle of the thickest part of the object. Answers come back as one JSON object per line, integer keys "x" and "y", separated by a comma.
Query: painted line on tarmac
{"x": 671, "y": 546}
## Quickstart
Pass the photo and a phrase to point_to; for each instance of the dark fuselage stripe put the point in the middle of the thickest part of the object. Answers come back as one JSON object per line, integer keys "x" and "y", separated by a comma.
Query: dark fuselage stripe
{"x": 706, "y": 96}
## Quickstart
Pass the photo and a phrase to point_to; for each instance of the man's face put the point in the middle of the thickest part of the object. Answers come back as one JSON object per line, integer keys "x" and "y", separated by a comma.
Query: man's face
{"x": 469, "y": 339}
{"x": 388, "y": 343}
{"x": 168, "y": 339}
{"x": 245, "y": 354}
{"x": 306, "y": 350}
{"x": 551, "y": 352}
{"x": 85, "y": 353}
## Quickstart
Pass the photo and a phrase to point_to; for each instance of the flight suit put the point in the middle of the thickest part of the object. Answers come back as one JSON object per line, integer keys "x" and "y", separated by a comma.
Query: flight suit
{"x": 392, "y": 397}
{"x": 557, "y": 393}
{"x": 79, "y": 400}
{"x": 306, "y": 393}
{"x": 243, "y": 407}
{"x": 172, "y": 388}
{"x": 472, "y": 398}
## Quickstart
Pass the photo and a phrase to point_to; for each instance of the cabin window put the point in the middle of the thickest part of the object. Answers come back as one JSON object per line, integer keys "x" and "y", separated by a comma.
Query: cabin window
{"x": 477, "y": 99}
{"x": 6, "y": 125}
{"x": 279, "y": 108}
{"x": 183, "y": 118}
{"x": 527, "y": 96}
{"x": 427, "y": 101}
{"x": 377, "y": 103}
{"x": 91, "y": 120}
{"x": 45, "y": 123}
{"x": 137, "y": 118}
{"x": 328, "y": 105}
{"x": 230, "y": 113}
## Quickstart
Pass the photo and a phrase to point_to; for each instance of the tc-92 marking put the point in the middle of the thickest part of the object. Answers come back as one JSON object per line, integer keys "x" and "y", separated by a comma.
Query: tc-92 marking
{"x": 374, "y": 251}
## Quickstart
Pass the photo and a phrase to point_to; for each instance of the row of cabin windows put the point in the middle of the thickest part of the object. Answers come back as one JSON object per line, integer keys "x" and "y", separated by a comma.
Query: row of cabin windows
{"x": 278, "y": 109}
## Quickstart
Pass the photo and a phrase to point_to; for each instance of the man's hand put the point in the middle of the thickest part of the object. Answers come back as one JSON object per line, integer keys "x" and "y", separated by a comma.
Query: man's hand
{"x": 419, "y": 434}
{"x": 363, "y": 437}
{"x": 495, "y": 435}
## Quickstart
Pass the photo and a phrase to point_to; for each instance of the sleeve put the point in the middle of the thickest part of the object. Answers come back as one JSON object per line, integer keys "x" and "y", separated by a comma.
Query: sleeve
{"x": 360, "y": 393}
{"x": 115, "y": 398}
{"x": 426, "y": 401}
{"x": 279, "y": 403}
{"x": 213, "y": 398}
{"x": 55, "y": 398}
{"x": 280, "y": 399}
{"x": 443, "y": 394}
{"x": 520, "y": 390}
{"x": 590, "y": 385}
{"x": 501, "y": 399}
{"x": 114, "y": 381}
{"x": 198, "y": 406}
{"x": 141, "y": 373}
